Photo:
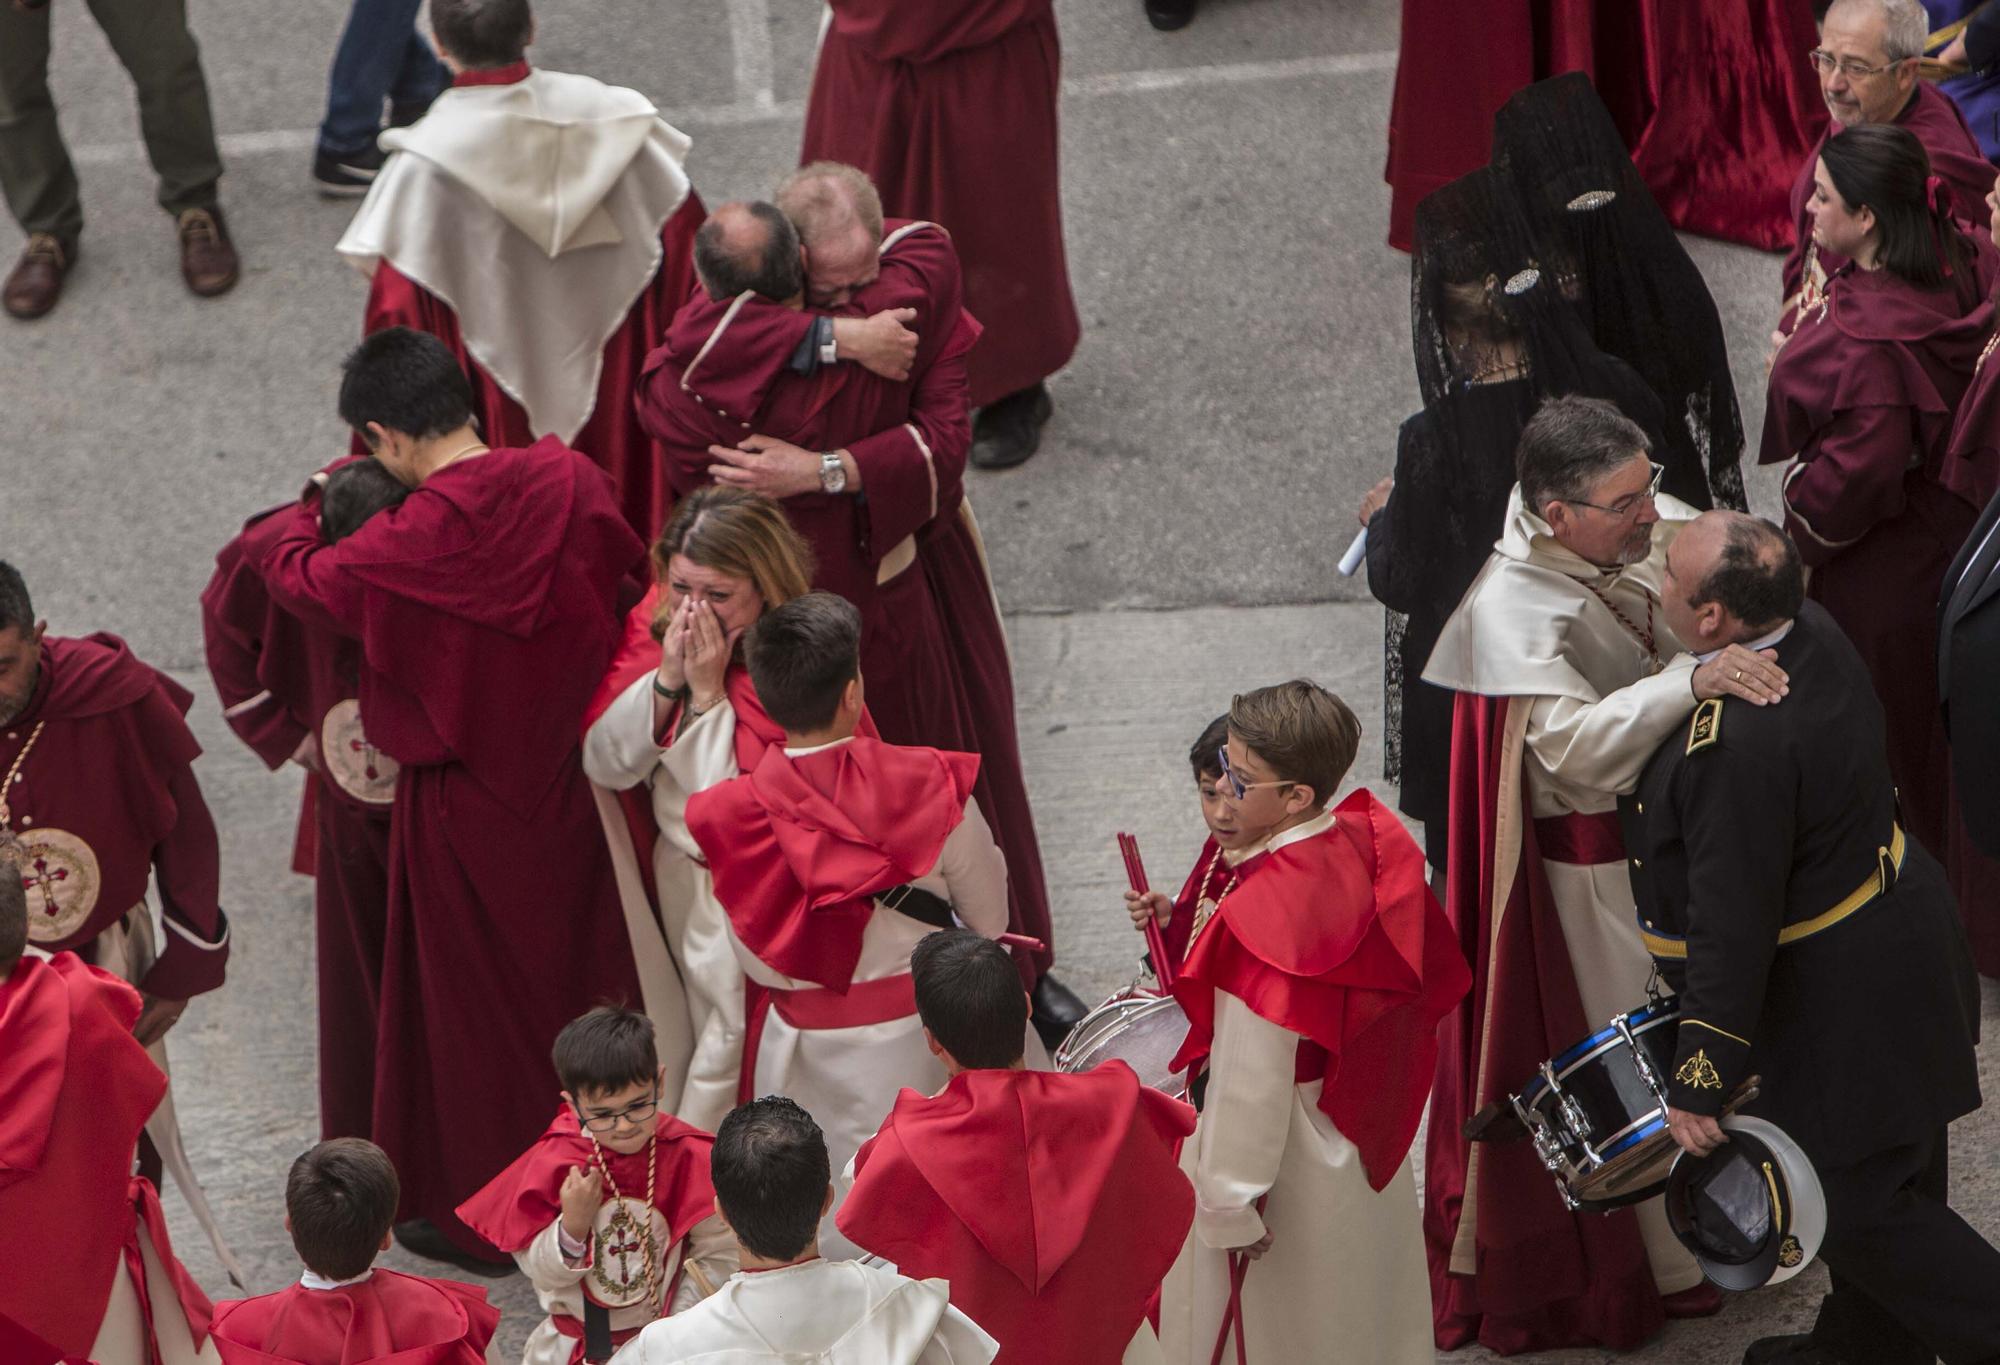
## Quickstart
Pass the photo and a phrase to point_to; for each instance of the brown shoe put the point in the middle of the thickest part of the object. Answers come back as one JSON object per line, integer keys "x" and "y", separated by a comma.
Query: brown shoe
{"x": 208, "y": 261}
{"x": 36, "y": 281}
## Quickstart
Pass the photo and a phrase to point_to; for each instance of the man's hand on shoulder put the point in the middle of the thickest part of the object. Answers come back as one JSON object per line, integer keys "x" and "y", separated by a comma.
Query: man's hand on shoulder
{"x": 880, "y": 344}
{"x": 1753, "y": 675}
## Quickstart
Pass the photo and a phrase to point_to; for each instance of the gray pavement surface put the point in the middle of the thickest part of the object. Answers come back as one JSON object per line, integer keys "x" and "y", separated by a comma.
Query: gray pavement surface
{"x": 1244, "y": 367}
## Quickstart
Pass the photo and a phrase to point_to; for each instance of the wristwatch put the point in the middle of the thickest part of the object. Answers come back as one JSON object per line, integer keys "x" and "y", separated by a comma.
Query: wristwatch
{"x": 829, "y": 349}
{"x": 832, "y": 473}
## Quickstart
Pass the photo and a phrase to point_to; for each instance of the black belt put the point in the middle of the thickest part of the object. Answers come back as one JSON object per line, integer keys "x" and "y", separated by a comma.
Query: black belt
{"x": 923, "y": 906}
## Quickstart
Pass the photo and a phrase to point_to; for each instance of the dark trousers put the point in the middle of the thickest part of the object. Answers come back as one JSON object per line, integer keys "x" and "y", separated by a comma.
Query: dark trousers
{"x": 1911, "y": 1280}
{"x": 151, "y": 38}
{"x": 381, "y": 57}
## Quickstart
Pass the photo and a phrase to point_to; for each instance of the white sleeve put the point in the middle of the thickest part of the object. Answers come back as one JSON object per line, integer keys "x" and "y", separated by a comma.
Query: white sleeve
{"x": 1245, "y": 1121}
{"x": 618, "y": 748}
{"x": 710, "y": 969}
{"x": 711, "y": 1246}
{"x": 542, "y": 1261}
{"x": 1603, "y": 745}
{"x": 958, "y": 1340}
{"x": 976, "y": 872}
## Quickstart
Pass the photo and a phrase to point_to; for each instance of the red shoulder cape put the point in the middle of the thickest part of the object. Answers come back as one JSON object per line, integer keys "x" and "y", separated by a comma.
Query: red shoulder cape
{"x": 74, "y": 1095}
{"x": 1338, "y": 939}
{"x": 1051, "y": 1202}
{"x": 1547, "y": 1278}
{"x": 388, "y": 1319}
{"x": 526, "y": 1197}
{"x": 798, "y": 846}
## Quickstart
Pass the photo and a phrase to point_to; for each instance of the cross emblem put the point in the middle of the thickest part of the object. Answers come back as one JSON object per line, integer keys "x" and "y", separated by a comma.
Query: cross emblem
{"x": 41, "y": 878}
{"x": 367, "y": 751}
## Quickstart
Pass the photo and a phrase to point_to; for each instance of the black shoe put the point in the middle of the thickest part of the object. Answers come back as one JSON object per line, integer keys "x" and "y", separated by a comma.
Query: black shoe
{"x": 1797, "y": 1349}
{"x": 403, "y": 115}
{"x": 422, "y": 1237}
{"x": 1057, "y": 1010}
{"x": 346, "y": 175}
{"x": 1168, "y": 15}
{"x": 1008, "y": 430}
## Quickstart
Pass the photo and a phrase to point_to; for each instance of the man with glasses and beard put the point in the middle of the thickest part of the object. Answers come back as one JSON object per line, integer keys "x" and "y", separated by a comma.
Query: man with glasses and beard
{"x": 1570, "y": 678}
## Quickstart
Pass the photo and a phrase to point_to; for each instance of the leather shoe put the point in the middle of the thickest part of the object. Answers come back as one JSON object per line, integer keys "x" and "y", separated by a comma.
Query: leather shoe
{"x": 208, "y": 261}
{"x": 36, "y": 281}
{"x": 1168, "y": 15}
{"x": 1057, "y": 1010}
{"x": 1008, "y": 430}
{"x": 422, "y": 1237}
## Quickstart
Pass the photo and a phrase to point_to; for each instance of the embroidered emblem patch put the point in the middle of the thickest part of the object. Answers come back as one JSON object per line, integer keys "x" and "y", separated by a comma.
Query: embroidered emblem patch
{"x": 1707, "y": 725}
{"x": 1699, "y": 1072}
{"x": 59, "y": 873}
{"x": 1790, "y": 1253}
{"x": 631, "y": 1241}
{"x": 357, "y": 767}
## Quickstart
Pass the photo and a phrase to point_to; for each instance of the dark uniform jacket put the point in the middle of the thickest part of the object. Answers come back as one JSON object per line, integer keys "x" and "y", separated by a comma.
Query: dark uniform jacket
{"x": 1809, "y": 942}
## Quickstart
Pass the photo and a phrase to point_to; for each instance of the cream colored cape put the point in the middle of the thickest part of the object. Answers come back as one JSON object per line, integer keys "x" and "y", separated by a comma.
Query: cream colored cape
{"x": 534, "y": 210}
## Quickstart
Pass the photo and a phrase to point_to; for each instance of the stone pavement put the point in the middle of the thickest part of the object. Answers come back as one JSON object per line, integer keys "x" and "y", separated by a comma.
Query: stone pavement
{"x": 1244, "y": 368}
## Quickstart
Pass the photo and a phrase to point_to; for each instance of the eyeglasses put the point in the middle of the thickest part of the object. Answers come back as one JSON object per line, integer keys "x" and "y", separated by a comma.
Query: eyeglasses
{"x": 636, "y": 1114}
{"x": 1626, "y": 505}
{"x": 1825, "y": 62}
{"x": 1237, "y": 786}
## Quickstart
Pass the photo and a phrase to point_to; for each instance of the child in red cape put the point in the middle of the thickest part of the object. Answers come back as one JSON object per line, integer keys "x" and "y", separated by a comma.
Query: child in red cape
{"x": 1214, "y": 868}
{"x": 340, "y": 1202}
{"x": 831, "y": 859}
{"x": 1050, "y": 1202}
{"x": 89, "y": 1272}
{"x": 610, "y": 1214}
{"x": 1313, "y": 993}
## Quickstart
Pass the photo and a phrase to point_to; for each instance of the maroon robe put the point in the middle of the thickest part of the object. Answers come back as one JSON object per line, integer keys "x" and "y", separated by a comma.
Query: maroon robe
{"x": 933, "y": 648}
{"x": 1862, "y": 397}
{"x": 283, "y": 680}
{"x": 390, "y": 1318}
{"x": 951, "y": 109}
{"x": 1955, "y": 158}
{"x": 75, "y": 1092}
{"x": 486, "y": 609}
{"x": 1052, "y": 1204}
{"x": 1547, "y": 1278}
{"x": 612, "y": 437}
{"x": 106, "y": 799}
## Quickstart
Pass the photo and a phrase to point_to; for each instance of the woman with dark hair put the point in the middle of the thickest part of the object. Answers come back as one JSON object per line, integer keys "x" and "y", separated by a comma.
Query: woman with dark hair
{"x": 1861, "y": 399}
{"x": 1493, "y": 338}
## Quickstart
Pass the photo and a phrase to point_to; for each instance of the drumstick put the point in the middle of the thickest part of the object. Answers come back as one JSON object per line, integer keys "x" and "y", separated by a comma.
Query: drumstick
{"x": 1357, "y": 550}
{"x": 1156, "y": 943}
{"x": 1033, "y": 945}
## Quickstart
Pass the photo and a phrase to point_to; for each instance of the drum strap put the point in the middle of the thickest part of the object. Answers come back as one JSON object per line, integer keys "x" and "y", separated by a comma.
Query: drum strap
{"x": 596, "y": 1331}
{"x": 920, "y": 905}
{"x": 1881, "y": 881}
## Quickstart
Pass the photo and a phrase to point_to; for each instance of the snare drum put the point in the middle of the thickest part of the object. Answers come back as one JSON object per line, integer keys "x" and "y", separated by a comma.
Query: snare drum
{"x": 1598, "y": 1112}
{"x": 1142, "y": 1030}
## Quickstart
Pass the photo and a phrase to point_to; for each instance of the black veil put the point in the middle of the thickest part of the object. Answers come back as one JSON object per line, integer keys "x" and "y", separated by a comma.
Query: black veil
{"x": 1493, "y": 337}
{"x": 1595, "y": 224}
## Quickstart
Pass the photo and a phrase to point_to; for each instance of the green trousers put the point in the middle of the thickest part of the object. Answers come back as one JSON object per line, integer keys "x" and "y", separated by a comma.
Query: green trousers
{"x": 151, "y": 38}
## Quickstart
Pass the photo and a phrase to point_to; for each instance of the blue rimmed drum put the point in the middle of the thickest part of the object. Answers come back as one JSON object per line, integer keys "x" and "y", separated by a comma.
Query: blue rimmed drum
{"x": 1597, "y": 1112}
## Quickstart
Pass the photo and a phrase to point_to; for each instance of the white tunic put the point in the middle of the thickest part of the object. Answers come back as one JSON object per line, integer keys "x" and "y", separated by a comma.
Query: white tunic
{"x": 1344, "y": 1278}
{"x": 848, "y": 1078}
{"x": 710, "y": 1254}
{"x": 619, "y": 752}
{"x": 817, "y": 1313}
{"x": 1530, "y": 627}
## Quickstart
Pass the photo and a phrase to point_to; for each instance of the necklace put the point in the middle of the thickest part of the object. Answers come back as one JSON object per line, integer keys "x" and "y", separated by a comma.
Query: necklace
{"x": 8, "y": 839}
{"x": 624, "y": 1235}
{"x": 458, "y": 455}
{"x": 1643, "y": 634}
{"x": 1204, "y": 912}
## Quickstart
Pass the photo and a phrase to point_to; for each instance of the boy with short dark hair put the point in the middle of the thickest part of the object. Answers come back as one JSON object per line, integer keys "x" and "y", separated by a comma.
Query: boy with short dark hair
{"x": 770, "y": 1171}
{"x": 89, "y": 1272}
{"x": 354, "y": 492}
{"x": 1313, "y": 993}
{"x": 1214, "y": 868}
{"x": 610, "y": 1214}
{"x": 831, "y": 860}
{"x": 1051, "y": 1203}
{"x": 340, "y": 1202}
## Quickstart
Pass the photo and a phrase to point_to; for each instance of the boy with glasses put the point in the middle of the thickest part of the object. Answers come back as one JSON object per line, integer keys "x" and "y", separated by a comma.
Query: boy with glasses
{"x": 1313, "y": 993}
{"x": 610, "y": 1214}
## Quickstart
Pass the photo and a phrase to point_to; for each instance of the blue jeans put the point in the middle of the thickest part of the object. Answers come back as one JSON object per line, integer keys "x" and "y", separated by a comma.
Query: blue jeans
{"x": 381, "y": 56}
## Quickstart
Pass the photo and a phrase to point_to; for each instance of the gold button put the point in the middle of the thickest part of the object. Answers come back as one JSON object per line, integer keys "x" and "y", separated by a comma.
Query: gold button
{"x": 1642, "y": 808}
{"x": 1636, "y": 862}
